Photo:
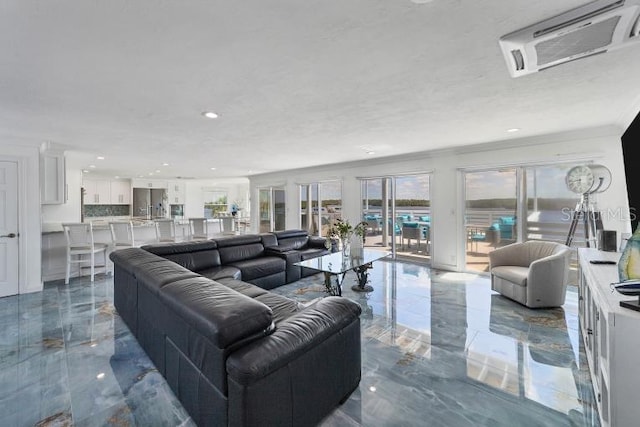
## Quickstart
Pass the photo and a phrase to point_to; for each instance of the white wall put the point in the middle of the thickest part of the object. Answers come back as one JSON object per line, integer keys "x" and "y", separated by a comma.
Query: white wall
{"x": 602, "y": 145}
{"x": 28, "y": 159}
{"x": 237, "y": 190}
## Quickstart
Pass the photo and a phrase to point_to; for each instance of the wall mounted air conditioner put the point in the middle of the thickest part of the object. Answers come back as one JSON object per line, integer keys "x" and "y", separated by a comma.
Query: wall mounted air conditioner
{"x": 587, "y": 30}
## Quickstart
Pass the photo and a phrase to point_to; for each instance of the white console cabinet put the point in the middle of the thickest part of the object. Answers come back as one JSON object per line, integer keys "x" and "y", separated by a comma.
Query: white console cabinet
{"x": 610, "y": 335}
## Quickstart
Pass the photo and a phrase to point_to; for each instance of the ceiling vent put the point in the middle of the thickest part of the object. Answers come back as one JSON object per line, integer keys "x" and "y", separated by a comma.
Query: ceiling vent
{"x": 596, "y": 27}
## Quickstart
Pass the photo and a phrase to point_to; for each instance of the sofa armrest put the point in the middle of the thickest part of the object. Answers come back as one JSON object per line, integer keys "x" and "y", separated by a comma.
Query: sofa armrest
{"x": 317, "y": 242}
{"x": 291, "y": 257}
{"x": 275, "y": 250}
{"x": 550, "y": 270}
{"x": 292, "y": 338}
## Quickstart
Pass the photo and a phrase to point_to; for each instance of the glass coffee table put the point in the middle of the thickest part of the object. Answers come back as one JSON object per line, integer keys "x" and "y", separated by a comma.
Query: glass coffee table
{"x": 336, "y": 265}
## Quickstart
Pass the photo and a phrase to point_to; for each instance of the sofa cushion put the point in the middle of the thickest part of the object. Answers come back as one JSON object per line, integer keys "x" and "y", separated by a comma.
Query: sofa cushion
{"x": 238, "y": 248}
{"x": 244, "y": 288}
{"x": 157, "y": 274}
{"x": 287, "y": 234}
{"x": 281, "y": 307}
{"x": 222, "y": 272}
{"x": 292, "y": 239}
{"x": 134, "y": 257}
{"x": 195, "y": 256}
{"x": 180, "y": 247}
{"x": 221, "y": 314}
{"x": 293, "y": 243}
{"x": 260, "y": 267}
{"x": 514, "y": 274}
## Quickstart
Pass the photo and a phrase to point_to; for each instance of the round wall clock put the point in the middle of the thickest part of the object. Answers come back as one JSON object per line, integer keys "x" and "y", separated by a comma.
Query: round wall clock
{"x": 580, "y": 179}
{"x": 601, "y": 178}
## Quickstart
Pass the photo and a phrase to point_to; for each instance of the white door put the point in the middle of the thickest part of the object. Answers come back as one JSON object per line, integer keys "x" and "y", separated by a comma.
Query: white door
{"x": 8, "y": 228}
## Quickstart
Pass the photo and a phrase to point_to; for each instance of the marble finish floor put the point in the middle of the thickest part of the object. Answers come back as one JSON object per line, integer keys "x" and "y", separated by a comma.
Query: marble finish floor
{"x": 438, "y": 349}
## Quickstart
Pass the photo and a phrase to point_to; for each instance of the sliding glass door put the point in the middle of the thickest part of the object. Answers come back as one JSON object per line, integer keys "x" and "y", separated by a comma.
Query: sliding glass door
{"x": 397, "y": 211}
{"x": 377, "y": 211}
{"x": 506, "y": 205}
{"x": 272, "y": 209}
{"x": 490, "y": 213}
{"x": 320, "y": 206}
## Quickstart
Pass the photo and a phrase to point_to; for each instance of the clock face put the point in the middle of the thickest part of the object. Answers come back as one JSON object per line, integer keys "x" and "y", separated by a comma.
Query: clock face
{"x": 580, "y": 179}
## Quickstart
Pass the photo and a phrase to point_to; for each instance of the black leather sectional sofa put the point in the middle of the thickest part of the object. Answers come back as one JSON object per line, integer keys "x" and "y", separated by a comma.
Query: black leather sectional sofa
{"x": 234, "y": 353}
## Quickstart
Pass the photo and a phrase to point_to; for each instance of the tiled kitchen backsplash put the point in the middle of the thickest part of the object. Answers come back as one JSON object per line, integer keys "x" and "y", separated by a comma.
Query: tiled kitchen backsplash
{"x": 106, "y": 210}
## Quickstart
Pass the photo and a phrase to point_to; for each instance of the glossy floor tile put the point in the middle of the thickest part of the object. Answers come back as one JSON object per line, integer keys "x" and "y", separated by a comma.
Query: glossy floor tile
{"x": 438, "y": 349}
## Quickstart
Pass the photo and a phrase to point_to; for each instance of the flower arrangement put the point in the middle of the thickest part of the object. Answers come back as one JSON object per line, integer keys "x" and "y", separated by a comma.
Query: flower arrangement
{"x": 343, "y": 230}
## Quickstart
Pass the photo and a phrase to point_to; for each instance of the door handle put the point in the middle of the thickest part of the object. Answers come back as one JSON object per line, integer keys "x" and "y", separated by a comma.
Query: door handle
{"x": 10, "y": 235}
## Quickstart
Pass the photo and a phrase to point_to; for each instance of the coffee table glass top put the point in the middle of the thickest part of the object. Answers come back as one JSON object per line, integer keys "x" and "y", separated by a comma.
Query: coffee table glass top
{"x": 336, "y": 263}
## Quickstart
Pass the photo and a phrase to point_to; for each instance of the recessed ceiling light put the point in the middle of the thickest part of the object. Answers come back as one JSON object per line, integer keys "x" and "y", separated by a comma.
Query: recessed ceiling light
{"x": 210, "y": 115}
{"x": 100, "y": 157}
{"x": 140, "y": 176}
{"x": 157, "y": 170}
{"x": 150, "y": 173}
{"x": 371, "y": 153}
{"x": 213, "y": 169}
{"x": 116, "y": 177}
{"x": 100, "y": 375}
{"x": 513, "y": 130}
{"x": 85, "y": 171}
{"x": 92, "y": 166}
{"x": 165, "y": 164}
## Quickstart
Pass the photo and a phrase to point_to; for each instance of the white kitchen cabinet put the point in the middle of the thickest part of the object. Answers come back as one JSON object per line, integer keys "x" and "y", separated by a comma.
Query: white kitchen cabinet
{"x": 106, "y": 192}
{"x": 52, "y": 178}
{"x": 176, "y": 192}
{"x": 97, "y": 192}
{"x": 610, "y": 335}
{"x": 148, "y": 183}
{"x": 120, "y": 193}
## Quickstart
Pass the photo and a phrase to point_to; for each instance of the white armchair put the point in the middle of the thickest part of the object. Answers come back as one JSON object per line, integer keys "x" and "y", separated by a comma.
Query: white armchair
{"x": 533, "y": 273}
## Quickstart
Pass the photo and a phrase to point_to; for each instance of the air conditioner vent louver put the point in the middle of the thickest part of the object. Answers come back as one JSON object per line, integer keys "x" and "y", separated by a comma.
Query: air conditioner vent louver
{"x": 518, "y": 59}
{"x": 578, "y": 18}
{"x": 635, "y": 30}
{"x": 594, "y": 28}
{"x": 595, "y": 36}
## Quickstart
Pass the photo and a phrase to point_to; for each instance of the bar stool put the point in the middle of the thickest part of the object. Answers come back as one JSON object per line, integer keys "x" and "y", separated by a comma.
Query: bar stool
{"x": 198, "y": 229}
{"x": 80, "y": 243}
{"x": 122, "y": 234}
{"x": 165, "y": 230}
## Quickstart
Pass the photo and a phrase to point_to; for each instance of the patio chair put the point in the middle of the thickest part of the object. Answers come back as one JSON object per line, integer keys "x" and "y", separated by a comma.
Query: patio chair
{"x": 411, "y": 231}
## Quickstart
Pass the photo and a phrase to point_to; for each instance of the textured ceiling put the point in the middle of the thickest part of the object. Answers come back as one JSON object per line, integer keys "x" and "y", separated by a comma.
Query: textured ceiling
{"x": 295, "y": 83}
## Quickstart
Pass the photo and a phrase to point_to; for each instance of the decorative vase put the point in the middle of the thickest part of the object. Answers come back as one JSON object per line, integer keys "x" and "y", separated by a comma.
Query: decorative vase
{"x": 629, "y": 264}
{"x": 346, "y": 247}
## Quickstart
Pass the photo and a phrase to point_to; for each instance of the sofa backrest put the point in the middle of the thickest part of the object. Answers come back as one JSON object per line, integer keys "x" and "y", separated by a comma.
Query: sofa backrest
{"x": 195, "y": 256}
{"x": 239, "y": 248}
{"x": 292, "y": 239}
